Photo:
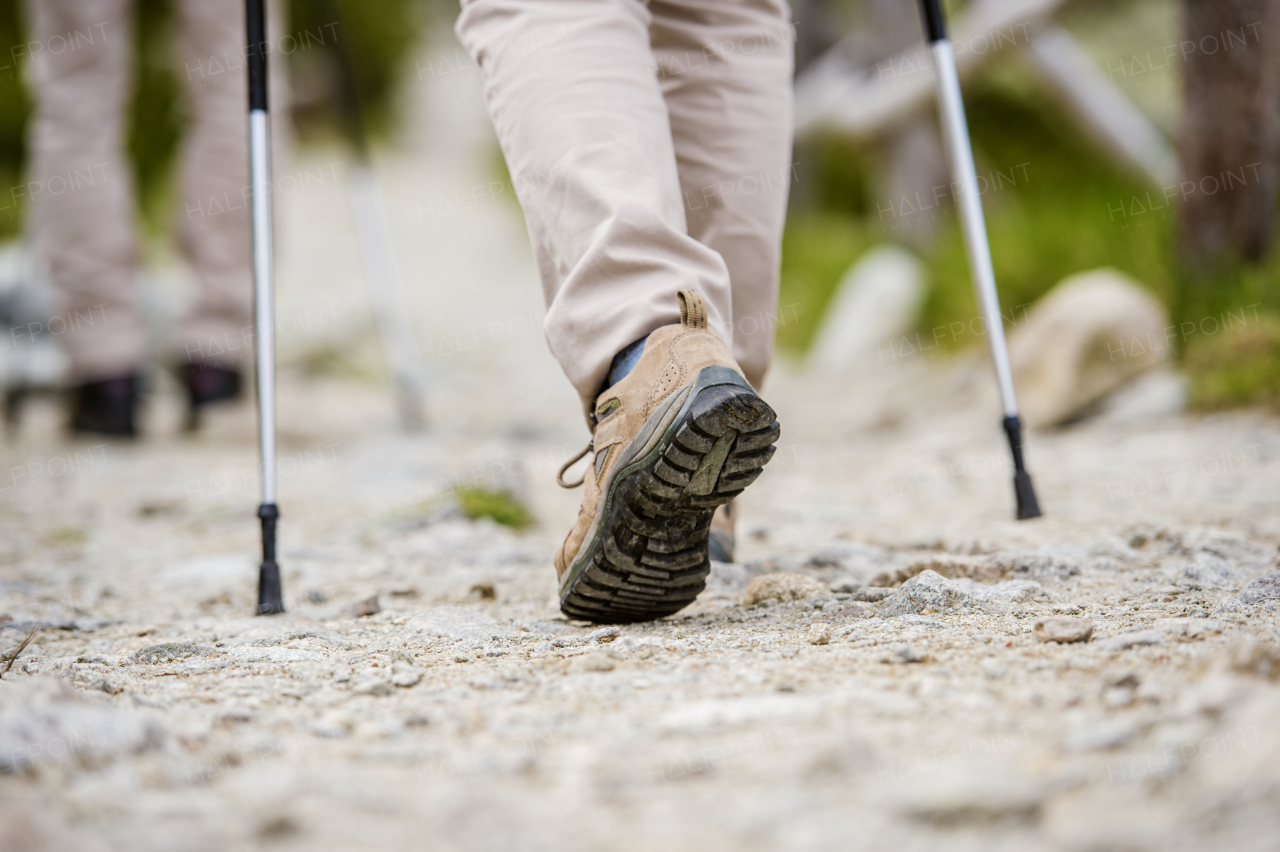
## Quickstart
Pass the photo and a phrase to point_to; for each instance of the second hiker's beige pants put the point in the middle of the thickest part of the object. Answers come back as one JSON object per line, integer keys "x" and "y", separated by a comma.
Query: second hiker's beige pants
{"x": 81, "y": 189}
{"x": 649, "y": 144}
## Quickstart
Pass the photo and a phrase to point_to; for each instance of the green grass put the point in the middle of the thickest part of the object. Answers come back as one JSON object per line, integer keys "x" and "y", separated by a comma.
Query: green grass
{"x": 1236, "y": 366}
{"x": 499, "y": 506}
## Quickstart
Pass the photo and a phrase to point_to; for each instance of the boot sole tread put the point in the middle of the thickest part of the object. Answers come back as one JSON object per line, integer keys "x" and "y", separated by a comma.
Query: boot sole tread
{"x": 651, "y": 556}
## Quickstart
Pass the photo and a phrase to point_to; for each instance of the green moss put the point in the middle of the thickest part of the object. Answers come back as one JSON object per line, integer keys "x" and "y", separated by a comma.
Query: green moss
{"x": 69, "y": 536}
{"x": 499, "y": 506}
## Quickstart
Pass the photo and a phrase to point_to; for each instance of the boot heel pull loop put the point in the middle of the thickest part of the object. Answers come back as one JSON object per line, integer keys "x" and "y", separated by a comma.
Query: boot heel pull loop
{"x": 693, "y": 311}
{"x": 591, "y": 445}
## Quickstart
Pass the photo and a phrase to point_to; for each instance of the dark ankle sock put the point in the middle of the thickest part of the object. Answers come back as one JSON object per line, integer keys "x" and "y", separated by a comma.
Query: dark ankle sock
{"x": 624, "y": 361}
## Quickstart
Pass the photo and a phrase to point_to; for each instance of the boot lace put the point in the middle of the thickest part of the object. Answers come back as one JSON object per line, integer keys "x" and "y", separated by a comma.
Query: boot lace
{"x": 591, "y": 445}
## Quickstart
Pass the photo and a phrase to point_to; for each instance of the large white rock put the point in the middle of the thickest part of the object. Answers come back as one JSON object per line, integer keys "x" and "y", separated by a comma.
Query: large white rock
{"x": 875, "y": 303}
{"x": 1091, "y": 334}
{"x": 1160, "y": 392}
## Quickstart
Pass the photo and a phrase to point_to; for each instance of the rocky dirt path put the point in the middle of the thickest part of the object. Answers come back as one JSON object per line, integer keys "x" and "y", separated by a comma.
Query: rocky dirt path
{"x": 843, "y": 707}
{"x": 890, "y": 690}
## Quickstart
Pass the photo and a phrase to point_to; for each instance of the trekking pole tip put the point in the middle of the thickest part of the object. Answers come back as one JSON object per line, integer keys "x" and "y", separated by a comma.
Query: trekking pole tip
{"x": 270, "y": 598}
{"x": 1025, "y": 493}
{"x": 270, "y": 595}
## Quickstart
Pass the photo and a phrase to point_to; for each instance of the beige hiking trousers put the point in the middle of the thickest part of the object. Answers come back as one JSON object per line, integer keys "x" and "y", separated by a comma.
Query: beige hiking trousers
{"x": 81, "y": 189}
{"x": 649, "y": 144}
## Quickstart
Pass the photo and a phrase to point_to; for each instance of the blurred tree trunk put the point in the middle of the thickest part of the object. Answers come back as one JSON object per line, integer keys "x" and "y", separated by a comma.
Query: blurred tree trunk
{"x": 914, "y": 167}
{"x": 1230, "y": 128}
{"x": 817, "y": 30}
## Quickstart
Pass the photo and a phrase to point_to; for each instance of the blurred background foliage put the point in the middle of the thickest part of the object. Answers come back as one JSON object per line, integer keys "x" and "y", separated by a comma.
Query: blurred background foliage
{"x": 1062, "y": 219}
{"x": 378, "y": 37}
{"x": 15, "y": 106}
{"x": 1057, "y": 221}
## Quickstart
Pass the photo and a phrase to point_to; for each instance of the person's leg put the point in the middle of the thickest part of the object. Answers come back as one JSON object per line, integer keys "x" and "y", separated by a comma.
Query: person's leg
{"x": 580, "y": 114}
{"x": 81, "y": 189}
{"x": 212, "y": 222}
{"x": 583, "y": 126}
{"x": 726, "y": 68}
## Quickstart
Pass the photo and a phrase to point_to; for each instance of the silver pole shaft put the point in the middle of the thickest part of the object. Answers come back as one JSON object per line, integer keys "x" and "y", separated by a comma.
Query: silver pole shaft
{"x": 956, "y": 133}
{"x": 263, "y": 297}
{"x": 390, "y": 312}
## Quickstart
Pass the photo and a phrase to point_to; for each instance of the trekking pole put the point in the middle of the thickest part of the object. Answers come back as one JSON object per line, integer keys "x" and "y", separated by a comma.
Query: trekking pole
{"x": 956, "y": 133}
{"x": 373, "y": 232}
{"x": 269, "y": 593}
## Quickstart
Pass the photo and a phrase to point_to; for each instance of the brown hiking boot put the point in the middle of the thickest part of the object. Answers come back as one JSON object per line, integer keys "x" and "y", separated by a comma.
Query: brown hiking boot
{"x": 681, "y": 434}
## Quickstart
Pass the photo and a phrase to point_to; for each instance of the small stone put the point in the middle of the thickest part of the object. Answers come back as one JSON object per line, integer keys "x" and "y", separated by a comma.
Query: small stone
{"x": 461, "y": 658}
{"x": 368, "y": 606}
{"x": 872, "y": 594}
{"x": 40, "y": 716}
{"x": 907, "y": 654}
{"x": 1256, "y": 658}
{"x": 594, "y": 661}
{"x": 333, "y": 725}
{"x": 1101, "y": 737}
{"x": 1125, "y": 680}
{"x": 278, "y": 829}
{"x": 948, "y": 565}
{"x": 1116, "y": 697}
{"x": 482, "y": 592}
{"x": 603, "y": 635}
{"x": 968, "y": 798}
{"x": 170, "y": 652}
{"x": 1063, "y": 630}
{"x": 405, "y": 675}
{"x": 819, "y": 634}
{"x": 234, "y": 716}
{"x": 929, "y": 590}
{"x": 1129, "y": 640}
{"x": 110, "y": 687}
{"x": 1258, "y": 591}
{"x": 782, "y": 587}
{"x": 316, "y": 596}
{"x": 372, "y": 686}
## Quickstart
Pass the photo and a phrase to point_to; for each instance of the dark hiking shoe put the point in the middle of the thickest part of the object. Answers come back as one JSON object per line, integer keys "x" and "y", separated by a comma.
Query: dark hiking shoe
{"x": 106, "y": 406}
{"x": 680, "y": 435}
{"x": 206, "y": 385}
